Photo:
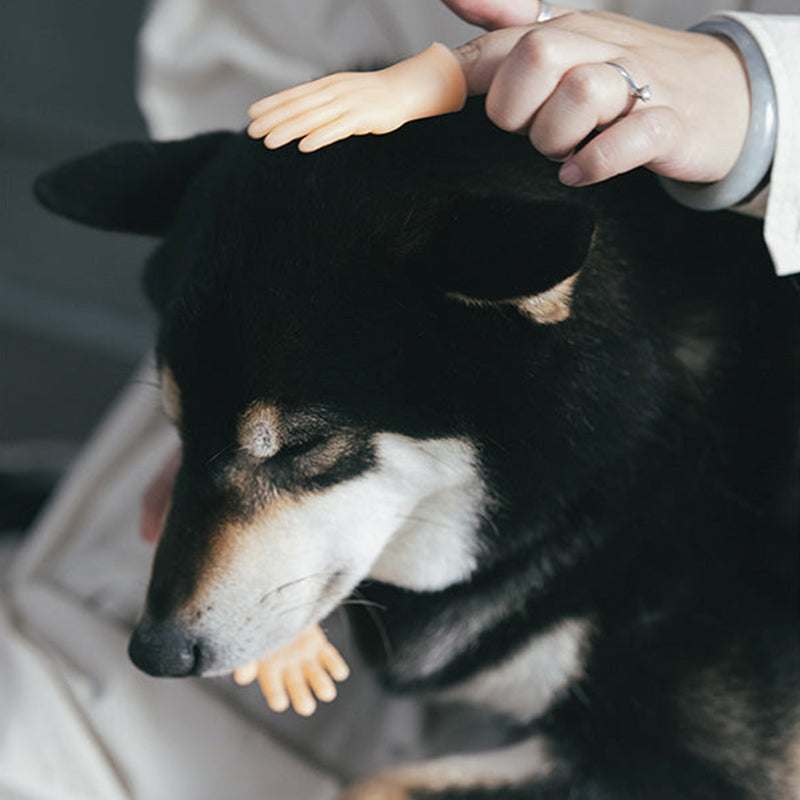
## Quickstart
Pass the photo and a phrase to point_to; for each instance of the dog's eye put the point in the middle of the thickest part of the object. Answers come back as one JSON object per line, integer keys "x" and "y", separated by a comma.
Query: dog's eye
{"x": 302, "y": 447}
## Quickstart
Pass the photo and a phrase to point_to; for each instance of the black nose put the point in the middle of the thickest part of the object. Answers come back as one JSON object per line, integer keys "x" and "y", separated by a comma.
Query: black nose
{"x": 164, "y": 649}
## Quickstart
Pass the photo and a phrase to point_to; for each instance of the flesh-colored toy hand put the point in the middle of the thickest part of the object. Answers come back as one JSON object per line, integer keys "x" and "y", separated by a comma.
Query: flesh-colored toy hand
{"x": 294, "y": 675}
{"x": 355, "y": 103}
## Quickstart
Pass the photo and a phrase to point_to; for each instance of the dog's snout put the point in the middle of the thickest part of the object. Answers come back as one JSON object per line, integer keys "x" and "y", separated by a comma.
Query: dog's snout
{"x": 164, "y": 649}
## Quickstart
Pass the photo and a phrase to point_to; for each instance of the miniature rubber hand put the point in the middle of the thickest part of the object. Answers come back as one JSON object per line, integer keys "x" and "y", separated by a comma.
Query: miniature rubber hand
{"x": 306, "y": 668}
{"x": 356, "y": 103}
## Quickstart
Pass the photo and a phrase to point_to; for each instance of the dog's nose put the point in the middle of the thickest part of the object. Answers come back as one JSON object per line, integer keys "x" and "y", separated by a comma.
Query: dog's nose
{"x": 164, "y": 649}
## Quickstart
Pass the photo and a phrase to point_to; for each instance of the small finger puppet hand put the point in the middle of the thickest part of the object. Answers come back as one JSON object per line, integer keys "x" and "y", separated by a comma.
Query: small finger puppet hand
{"x": 355, "y": 103}
{"x": 294, "y": 675}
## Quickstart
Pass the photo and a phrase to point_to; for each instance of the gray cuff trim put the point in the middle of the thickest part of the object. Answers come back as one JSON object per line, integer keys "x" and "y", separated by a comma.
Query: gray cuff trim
{"x": 757, "y": 153}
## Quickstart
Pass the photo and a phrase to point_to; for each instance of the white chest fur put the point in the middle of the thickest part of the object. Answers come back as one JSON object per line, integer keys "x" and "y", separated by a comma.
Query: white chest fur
{"x": 527, "y": 683}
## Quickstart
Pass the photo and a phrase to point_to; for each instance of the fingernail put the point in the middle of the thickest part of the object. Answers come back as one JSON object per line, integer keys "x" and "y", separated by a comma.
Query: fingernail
{"x": 570, "y": 174}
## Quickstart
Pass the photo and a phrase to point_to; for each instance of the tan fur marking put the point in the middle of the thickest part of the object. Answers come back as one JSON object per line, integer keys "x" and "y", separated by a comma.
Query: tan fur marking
{"x": 259, "y": 430}
{"x": 551, "y": 306}
{"x": 170, "y": 396}
{"x": 546, "y": 308}
{"x": 230, "y": 540}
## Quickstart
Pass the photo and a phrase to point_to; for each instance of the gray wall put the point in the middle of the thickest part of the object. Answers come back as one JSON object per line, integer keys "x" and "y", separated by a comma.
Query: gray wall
{"x": 73, "y": 323}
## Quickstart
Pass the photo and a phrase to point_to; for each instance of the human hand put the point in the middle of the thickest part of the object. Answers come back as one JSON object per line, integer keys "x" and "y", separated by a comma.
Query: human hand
{"x": 306, "y": 667}
{"x": 157, "y": 497}
{"x": 355, "y": 103}
{"x": 551, "y": 81}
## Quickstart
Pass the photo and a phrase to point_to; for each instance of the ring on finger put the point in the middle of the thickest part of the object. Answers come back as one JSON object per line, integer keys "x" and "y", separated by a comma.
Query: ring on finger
{"x": 637, "y": 92}
{"x": 545, "y": 11}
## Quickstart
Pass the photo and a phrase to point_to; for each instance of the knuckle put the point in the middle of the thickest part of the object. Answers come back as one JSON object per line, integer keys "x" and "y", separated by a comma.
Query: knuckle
{"x": 501, "y": 115}
{"x": 537, "y": 48}
{"x": 581, "y": 85}
{"x": 470, "y": 52}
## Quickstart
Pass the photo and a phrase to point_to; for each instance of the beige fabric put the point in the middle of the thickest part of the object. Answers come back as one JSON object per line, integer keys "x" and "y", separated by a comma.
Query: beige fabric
{"x": 77, "y": 720}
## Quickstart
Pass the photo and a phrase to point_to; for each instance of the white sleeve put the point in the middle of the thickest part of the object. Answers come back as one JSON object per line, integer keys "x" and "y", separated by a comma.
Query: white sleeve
{"x": 778, "y": 36}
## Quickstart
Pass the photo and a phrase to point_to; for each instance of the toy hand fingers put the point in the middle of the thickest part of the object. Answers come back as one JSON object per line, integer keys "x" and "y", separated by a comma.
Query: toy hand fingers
{"x": 330, "y": 659}
{"x": 246, "y": 674}
{"x": 267, "y": 104}
{"x": 272, "y": 687}
{"x": 302, "y": 125}
{"x": 302, "y": 700}
{"x": 339, "y": 129}
{"x": 320, "y": 682}
{"x": 269, "y": 120}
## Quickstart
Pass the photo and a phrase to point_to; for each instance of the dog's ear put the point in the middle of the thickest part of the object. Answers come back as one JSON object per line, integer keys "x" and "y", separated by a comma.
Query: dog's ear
{"x": 132, "y": 187}
{"x": 514, "y": 253}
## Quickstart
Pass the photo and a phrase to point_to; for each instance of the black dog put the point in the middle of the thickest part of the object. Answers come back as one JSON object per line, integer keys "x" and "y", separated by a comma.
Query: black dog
{"x": 550, "y": 431}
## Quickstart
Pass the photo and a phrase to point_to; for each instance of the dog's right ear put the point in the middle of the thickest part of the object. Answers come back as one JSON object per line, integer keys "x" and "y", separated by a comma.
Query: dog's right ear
{"x": 132, "y": 187}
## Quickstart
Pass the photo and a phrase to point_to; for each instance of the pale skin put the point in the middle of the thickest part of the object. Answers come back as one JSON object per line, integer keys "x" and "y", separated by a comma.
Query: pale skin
{"x": 298, "y": 675}
{"x": 550, "y": 81}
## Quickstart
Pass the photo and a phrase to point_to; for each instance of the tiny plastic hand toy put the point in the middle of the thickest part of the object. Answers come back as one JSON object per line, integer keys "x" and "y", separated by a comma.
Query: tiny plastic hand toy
{"x": 306, "y": 667}
{"x": 355, "y": 103}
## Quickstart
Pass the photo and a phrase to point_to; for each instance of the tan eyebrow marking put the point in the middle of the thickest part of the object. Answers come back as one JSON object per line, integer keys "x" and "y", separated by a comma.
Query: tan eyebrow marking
{"x": 170, "y": 395}
{"x": 546, "y": 308}
{"x": 259, "y": 430}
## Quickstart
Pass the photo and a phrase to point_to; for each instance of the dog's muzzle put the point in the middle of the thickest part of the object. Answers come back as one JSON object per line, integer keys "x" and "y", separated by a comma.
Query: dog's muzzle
{"x": 165, "y": 649}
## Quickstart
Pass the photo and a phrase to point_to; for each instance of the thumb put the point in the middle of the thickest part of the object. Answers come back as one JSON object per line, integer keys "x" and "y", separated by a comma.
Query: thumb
{"x": 493, "y": 14}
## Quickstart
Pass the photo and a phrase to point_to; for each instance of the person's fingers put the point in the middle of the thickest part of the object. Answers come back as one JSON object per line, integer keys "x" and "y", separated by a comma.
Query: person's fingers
{"x": 645, "y": 137}
{"x": 337, "y": 129}
{"x": 273, "y": 688}
{"x": 319, "y": 681}
{"x": 481, "y": 57}
{"x": 493, "y": 14}
{"x": 534, "y": 68}
{"x": 302, "y": 700}
{"x": 588, "y": 97}
{"x": 303, "y": 124}
{"x": 330, "y": 659}
{"x": 265, "y": 122}
{"x": 157, "y": 498}
{"x": 246, "y": 673}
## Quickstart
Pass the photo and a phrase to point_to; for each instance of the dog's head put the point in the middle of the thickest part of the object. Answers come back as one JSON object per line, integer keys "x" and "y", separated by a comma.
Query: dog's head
{"x": 348, "y": 343}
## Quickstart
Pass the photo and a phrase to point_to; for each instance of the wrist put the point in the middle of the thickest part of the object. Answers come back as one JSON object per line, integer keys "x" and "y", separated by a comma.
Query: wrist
{"x": 752, "y": 167}
{"x": 429, "y": 83}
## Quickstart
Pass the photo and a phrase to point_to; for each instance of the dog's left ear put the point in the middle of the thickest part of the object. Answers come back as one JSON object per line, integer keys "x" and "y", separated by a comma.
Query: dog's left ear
{"x": 133, "y": 187}
{"x": 510, "y": 253}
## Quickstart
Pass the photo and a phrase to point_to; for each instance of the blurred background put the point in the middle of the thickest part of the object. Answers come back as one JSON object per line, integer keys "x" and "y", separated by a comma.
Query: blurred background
{"x": 73, "y": 323}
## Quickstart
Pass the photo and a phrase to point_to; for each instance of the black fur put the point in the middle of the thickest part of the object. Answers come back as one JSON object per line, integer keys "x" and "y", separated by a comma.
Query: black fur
{"x": 639, "y": 453}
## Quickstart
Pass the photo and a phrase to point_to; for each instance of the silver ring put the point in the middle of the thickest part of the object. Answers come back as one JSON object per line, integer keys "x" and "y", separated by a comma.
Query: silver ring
{"x": 545, "y": 12}
{"x": 637, "y": 92}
